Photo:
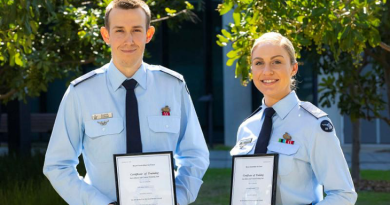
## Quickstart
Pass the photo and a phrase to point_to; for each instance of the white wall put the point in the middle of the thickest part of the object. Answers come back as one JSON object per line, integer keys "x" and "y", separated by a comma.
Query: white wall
{"x": 237, "y": 98}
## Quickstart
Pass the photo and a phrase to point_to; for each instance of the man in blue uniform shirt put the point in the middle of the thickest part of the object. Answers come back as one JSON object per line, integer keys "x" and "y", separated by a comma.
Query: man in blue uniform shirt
{"x": 92, "y": 119}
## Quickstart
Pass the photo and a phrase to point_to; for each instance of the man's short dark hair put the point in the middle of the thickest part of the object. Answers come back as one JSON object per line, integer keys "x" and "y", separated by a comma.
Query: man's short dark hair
{"x": 127, "y": 4}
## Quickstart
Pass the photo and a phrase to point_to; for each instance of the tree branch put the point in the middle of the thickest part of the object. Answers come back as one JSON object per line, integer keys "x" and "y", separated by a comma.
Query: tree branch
{"x": 385, "y": 46}
{"x": 7, "y": 95}
{"x": 169, "y": 17}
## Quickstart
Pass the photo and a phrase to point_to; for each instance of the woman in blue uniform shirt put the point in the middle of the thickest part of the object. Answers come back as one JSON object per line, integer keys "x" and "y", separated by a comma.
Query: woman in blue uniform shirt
{"x": 310, "y": 157}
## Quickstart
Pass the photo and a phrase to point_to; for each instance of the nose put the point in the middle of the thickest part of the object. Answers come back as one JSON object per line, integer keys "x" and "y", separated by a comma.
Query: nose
{"x": 267, "y": 70}
{"x": 129, "y": 39}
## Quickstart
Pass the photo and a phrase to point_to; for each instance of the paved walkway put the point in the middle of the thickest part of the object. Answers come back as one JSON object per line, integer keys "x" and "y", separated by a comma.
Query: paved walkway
{"x": 374, "y": 157}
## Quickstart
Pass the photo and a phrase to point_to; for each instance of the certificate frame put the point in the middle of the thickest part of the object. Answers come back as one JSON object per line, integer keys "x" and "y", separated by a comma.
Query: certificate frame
{"x": 144, "y": 155}
{"x": 274, "y": 174}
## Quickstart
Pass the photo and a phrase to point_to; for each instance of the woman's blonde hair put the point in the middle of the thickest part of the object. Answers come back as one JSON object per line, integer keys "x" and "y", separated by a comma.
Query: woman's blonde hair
{"x": 279, "y": 39}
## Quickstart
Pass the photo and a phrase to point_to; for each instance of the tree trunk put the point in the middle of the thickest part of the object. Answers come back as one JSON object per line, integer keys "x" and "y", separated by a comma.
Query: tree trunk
{"x": 356, "y": 134}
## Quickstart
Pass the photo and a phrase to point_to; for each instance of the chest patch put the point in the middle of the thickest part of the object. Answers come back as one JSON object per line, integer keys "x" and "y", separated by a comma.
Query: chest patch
{"x": 326, "y": 126}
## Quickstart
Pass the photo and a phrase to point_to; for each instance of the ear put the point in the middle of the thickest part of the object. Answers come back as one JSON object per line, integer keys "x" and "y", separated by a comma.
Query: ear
{"x": 294, "y": 69}
{"x": 105, "y": 34}
{"x": 150, "y": 33}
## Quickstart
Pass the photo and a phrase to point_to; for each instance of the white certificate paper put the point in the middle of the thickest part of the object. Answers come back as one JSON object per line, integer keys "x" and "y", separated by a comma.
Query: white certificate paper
{"x": 254, "y": 180}
{"x": 145, "y": 179}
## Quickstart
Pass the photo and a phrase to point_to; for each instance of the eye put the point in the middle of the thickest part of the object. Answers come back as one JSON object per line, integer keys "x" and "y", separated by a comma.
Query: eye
{"x": 277, "y": 62}
{"x": 119, "y": 31}
{"x": 137, "y": 30}
{"x": 259, "y": 63}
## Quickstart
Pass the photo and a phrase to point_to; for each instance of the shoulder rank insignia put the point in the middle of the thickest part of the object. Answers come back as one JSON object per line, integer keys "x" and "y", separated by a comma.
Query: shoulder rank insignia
{"x": 172, "y": 73}
{"x": 313, "y": 110}
{"x": 87, "y": 76}
{"x": 326, "y": 126}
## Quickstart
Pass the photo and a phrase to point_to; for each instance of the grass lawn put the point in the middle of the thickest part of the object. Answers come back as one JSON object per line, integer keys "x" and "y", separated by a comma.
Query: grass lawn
{"x": 22, "y": 183}
{"x": 216, "y": 188}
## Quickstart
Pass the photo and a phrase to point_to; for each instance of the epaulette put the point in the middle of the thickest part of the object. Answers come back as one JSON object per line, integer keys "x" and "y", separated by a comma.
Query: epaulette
{"x": 313, "y": 110}
{"x": 172, "y": 73}
{"x": 85, "y": 77}
{"x": 169, "y": 72}
{"x": 256, "y": 111}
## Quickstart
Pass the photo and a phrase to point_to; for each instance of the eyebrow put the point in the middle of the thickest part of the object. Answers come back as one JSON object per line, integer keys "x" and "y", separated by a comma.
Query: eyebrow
{"x": 271, "y": 57}
{"x": 121, "y": 27}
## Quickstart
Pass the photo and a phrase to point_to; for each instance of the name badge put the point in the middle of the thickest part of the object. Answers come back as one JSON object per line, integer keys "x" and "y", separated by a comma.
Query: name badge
{"x": 102, "y": 116}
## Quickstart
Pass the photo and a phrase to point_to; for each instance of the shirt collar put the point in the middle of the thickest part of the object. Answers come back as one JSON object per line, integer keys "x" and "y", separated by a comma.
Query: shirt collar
{"x": 117, "y": 78}
{"x": 285, "y": 105}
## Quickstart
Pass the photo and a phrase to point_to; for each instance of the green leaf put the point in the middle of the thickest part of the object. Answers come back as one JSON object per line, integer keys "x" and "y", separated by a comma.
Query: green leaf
{"x": 221, "y": 44}
{"x": 300, "y": 18}
{"x": 222, "y": 39}
{"x": 233, "y": 53}
{"x": 230, "y": 62}
{"x": 189, "y": 6}
{"x": 375, "y": 22}
{"x": 170, "y": 11}
{"x": 226, "y": 34}
{"x": 18, "y": 60}
{"x": 344, "y": 33}
{"x": 375, "y": 38}
{"x": 225, "y": 7}
{"x": 318, "y": 11}
{"x": 237, "y": 16}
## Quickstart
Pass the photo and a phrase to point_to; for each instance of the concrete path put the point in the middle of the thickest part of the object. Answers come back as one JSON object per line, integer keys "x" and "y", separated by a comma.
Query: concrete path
{"x": 374, "y": 157}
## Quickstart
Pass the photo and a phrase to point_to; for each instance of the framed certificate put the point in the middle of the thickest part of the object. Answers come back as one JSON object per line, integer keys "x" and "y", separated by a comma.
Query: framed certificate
{"x": 146, "y": 178}
{"x": 254, "y": 179}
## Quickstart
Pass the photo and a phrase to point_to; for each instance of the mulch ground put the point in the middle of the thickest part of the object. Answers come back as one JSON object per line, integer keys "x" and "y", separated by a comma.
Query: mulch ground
{"x": 373, "y": 185}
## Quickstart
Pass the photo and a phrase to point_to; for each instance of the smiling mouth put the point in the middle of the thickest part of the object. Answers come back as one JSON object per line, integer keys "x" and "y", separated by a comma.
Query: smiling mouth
{"x": 129, "y": 51}
{"x": 269, "y": 81}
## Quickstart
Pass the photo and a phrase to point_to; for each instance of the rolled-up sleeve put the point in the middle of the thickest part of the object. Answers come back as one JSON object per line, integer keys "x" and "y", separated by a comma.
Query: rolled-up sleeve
{"x": 331, "y": 169}
{"x": 192, "y": 155}
{"x": 62, "y": 155}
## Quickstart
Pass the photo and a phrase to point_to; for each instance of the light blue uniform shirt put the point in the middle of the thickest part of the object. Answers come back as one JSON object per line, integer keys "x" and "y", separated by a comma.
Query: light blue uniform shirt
{"x": 315, "y": 158}
{"x": 75, "y": 133}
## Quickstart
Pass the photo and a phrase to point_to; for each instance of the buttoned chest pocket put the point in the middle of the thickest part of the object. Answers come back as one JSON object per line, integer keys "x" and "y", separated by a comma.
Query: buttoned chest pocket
{"x": 286, "y": 156}
{"x": 164, "y": 132}
{"x": 103, "y": 139}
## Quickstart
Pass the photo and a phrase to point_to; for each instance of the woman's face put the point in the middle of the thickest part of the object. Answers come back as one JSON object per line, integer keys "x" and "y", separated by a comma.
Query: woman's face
{"x": 272, "y": 71}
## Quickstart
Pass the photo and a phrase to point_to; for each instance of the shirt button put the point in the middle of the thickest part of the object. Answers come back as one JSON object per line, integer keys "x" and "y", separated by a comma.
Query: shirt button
{"x": 166, "y": 126}
{"x": 104, "y": 129}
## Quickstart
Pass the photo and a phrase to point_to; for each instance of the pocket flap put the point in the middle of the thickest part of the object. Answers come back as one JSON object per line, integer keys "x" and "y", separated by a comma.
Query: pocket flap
{"x": 96, "y": 128}
{"x": 169, "y": 124}
{"x": 286, "y": 149}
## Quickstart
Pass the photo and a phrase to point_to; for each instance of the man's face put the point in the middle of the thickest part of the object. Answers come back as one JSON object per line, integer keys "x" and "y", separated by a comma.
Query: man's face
{"x": 127, "y": 36}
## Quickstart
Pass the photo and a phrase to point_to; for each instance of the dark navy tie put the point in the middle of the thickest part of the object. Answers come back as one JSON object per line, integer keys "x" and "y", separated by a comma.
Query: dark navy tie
{"x": 133, "y": 134}
{"x": 265, "y": 133}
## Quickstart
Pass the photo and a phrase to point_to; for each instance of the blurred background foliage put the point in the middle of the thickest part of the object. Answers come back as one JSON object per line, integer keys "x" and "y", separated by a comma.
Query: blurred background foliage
{"x": 43, "y": 40}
